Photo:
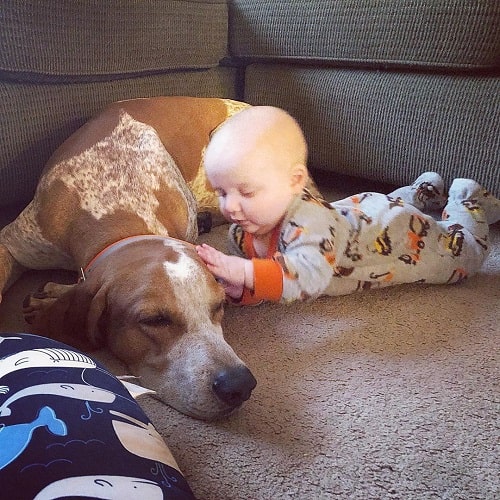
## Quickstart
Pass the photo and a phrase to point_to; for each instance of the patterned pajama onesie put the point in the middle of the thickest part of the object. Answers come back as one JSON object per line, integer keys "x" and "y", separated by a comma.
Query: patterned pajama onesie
{"x": 369, "y": 240}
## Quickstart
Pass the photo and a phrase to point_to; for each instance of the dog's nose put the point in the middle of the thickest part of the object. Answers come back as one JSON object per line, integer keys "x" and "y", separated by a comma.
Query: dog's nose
{"x": 234, "y": 385}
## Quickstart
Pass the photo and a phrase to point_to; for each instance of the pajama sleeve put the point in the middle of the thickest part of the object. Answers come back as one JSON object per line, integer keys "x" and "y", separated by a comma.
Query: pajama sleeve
{"x": 307, "y": 272}
{"x": 302, "y": 268}
{"x": 268, "y": 274}
{"x": 268, "y": 282}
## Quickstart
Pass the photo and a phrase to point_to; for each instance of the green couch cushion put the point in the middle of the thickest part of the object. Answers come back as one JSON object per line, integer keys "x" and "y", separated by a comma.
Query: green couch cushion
{"x": 92, "y": 38}
{"x": 389, "y": 126}
{"x": 371, "y": 33}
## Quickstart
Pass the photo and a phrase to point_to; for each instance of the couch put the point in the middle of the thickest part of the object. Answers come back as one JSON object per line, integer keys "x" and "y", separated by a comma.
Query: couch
{"x": 383, "y": 90}
{"x": 391, "y": 396}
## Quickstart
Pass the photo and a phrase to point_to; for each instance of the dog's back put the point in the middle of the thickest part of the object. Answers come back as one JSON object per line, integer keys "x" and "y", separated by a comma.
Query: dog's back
{"x": 136, "y": 168}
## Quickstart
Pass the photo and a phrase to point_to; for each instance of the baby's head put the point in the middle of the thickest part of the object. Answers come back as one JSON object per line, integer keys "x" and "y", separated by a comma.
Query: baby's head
{"x": 256, "y": 162}
{"x": 266, "y": 133}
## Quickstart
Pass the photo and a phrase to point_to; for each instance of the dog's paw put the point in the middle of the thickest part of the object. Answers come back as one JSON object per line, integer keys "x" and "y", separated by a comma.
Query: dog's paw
{"x": 42, "y": 299}
{"x": 35, "y": 303}
{"x": 204, "y": 220}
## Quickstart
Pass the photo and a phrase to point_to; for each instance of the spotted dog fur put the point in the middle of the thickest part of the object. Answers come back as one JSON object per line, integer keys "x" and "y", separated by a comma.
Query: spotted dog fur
{"x": 107, "y": 179}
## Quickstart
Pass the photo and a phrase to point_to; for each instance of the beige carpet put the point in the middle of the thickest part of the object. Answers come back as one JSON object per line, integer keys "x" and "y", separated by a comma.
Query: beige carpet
{"x": 388, "y": 394}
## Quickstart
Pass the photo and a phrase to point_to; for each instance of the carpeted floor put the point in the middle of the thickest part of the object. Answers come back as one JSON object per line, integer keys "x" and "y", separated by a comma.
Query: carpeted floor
{"x": 389, "y": 394}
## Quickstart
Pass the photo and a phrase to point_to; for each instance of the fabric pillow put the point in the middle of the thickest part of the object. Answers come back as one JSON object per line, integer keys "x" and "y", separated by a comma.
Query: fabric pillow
{"x": 69, "y": 428}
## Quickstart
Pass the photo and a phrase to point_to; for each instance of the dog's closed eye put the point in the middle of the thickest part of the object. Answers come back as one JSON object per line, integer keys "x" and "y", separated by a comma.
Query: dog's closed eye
{"x": 156, "y": 320}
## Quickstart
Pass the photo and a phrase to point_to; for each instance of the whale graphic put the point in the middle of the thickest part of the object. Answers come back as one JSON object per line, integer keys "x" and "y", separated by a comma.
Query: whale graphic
{"x": 15, "y": 438}
{"x": 47, "y": 357}
{"x": 112, "y": 487}
{"x": 38, "y": 358}
{"x": 142, "y": 439}
{"x": 75, "y": 391}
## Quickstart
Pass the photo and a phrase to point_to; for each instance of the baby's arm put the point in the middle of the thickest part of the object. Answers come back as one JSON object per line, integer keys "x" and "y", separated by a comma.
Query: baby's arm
{"x": 302, "y": 270}
{"x": 246, "y": 281}
{"x": 236, "y": 273}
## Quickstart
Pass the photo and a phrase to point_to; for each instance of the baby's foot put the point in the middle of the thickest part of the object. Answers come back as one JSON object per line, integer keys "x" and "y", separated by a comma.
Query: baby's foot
{"x": 429, "y": 190}
{"x": 426, "y": 193}
{"x": 474, "y": 196}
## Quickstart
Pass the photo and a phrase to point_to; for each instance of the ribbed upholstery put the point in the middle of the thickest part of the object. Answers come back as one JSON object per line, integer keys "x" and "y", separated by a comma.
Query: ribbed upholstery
{"x": 95, "y": 37}
{"x": 60, "y": 62}
{"x": 408, "y": 33}
{"x": 37, "y": 118}
{"x": 389, "y": 126}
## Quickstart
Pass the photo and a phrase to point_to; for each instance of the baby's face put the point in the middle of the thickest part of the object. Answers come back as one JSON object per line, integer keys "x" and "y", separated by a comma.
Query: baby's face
{"x": 254, "y": 189}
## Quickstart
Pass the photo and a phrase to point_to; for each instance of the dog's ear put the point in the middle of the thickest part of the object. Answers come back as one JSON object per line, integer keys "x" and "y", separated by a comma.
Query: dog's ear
{"x": 75, "y": 317}
{"x": 95, "y": 317}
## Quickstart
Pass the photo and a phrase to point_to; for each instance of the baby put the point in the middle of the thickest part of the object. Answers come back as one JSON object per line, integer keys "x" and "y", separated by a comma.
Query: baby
{"x": 288, "y": 244}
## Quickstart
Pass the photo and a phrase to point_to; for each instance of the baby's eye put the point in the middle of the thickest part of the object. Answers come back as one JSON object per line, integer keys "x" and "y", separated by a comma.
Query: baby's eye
{"x": 248, "y": 194}
{"x": 220, "y": 193}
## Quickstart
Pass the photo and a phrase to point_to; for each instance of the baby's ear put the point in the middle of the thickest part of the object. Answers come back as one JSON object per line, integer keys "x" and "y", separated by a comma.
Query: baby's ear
{"x": 300, "y": 175}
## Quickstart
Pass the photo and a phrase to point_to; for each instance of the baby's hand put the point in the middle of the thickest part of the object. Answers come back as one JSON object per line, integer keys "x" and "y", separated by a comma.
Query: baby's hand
{"x": 227, "y": 268}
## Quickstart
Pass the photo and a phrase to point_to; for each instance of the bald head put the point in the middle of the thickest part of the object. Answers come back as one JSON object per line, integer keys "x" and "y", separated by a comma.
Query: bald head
{"x": 266, "y": 129}
{"x": 256, "y": 164}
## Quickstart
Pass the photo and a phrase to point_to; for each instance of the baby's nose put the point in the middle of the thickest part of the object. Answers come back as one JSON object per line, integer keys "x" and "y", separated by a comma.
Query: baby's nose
{"x": 231, "y": 203}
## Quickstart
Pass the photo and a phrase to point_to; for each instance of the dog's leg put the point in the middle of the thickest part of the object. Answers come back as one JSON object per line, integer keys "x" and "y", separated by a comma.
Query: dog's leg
{"x": 10, "y": 269}
{"x": 54, "y": 290}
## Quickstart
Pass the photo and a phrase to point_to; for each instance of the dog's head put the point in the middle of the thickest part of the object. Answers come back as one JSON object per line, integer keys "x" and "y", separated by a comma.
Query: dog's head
{"x": 159, "y": 310}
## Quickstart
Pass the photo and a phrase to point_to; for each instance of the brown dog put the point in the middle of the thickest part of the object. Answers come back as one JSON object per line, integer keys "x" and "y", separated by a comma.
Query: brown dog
{"x": 119, "y": 200}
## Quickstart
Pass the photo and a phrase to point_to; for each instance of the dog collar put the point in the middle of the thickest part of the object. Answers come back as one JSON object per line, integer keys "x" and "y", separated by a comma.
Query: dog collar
{"x": 119, "y": 244}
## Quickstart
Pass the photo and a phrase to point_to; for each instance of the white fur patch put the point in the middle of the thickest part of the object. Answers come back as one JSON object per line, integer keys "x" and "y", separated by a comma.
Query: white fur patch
{"x": 123, "y": 171}
{"x": 189, "y": 286}
{"x": 182, "y": 270}
{"x": 185, "y": 269}
{"x": 27, "y": 245}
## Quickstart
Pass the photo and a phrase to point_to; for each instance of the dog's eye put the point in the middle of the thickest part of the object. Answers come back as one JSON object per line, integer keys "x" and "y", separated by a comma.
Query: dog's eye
{"x": 158, "y": 320}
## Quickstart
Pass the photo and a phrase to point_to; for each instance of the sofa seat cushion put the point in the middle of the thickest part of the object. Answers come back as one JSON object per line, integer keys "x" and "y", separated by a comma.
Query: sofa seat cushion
{"x": 116, "y": 37}
{"x": 399, "y": 33}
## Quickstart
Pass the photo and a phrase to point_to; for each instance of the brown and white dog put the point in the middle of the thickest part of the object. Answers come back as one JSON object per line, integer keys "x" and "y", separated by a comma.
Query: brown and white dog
{"x": 119, "y": 200}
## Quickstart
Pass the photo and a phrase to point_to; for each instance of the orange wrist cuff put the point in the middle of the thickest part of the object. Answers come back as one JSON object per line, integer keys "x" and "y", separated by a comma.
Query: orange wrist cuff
{"x": 267, "y": 282}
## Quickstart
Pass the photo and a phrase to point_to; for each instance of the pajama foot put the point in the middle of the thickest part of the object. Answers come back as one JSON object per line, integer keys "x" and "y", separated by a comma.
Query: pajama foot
{"x": 476, "y": 199}
{"x": 426, "y": 193}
